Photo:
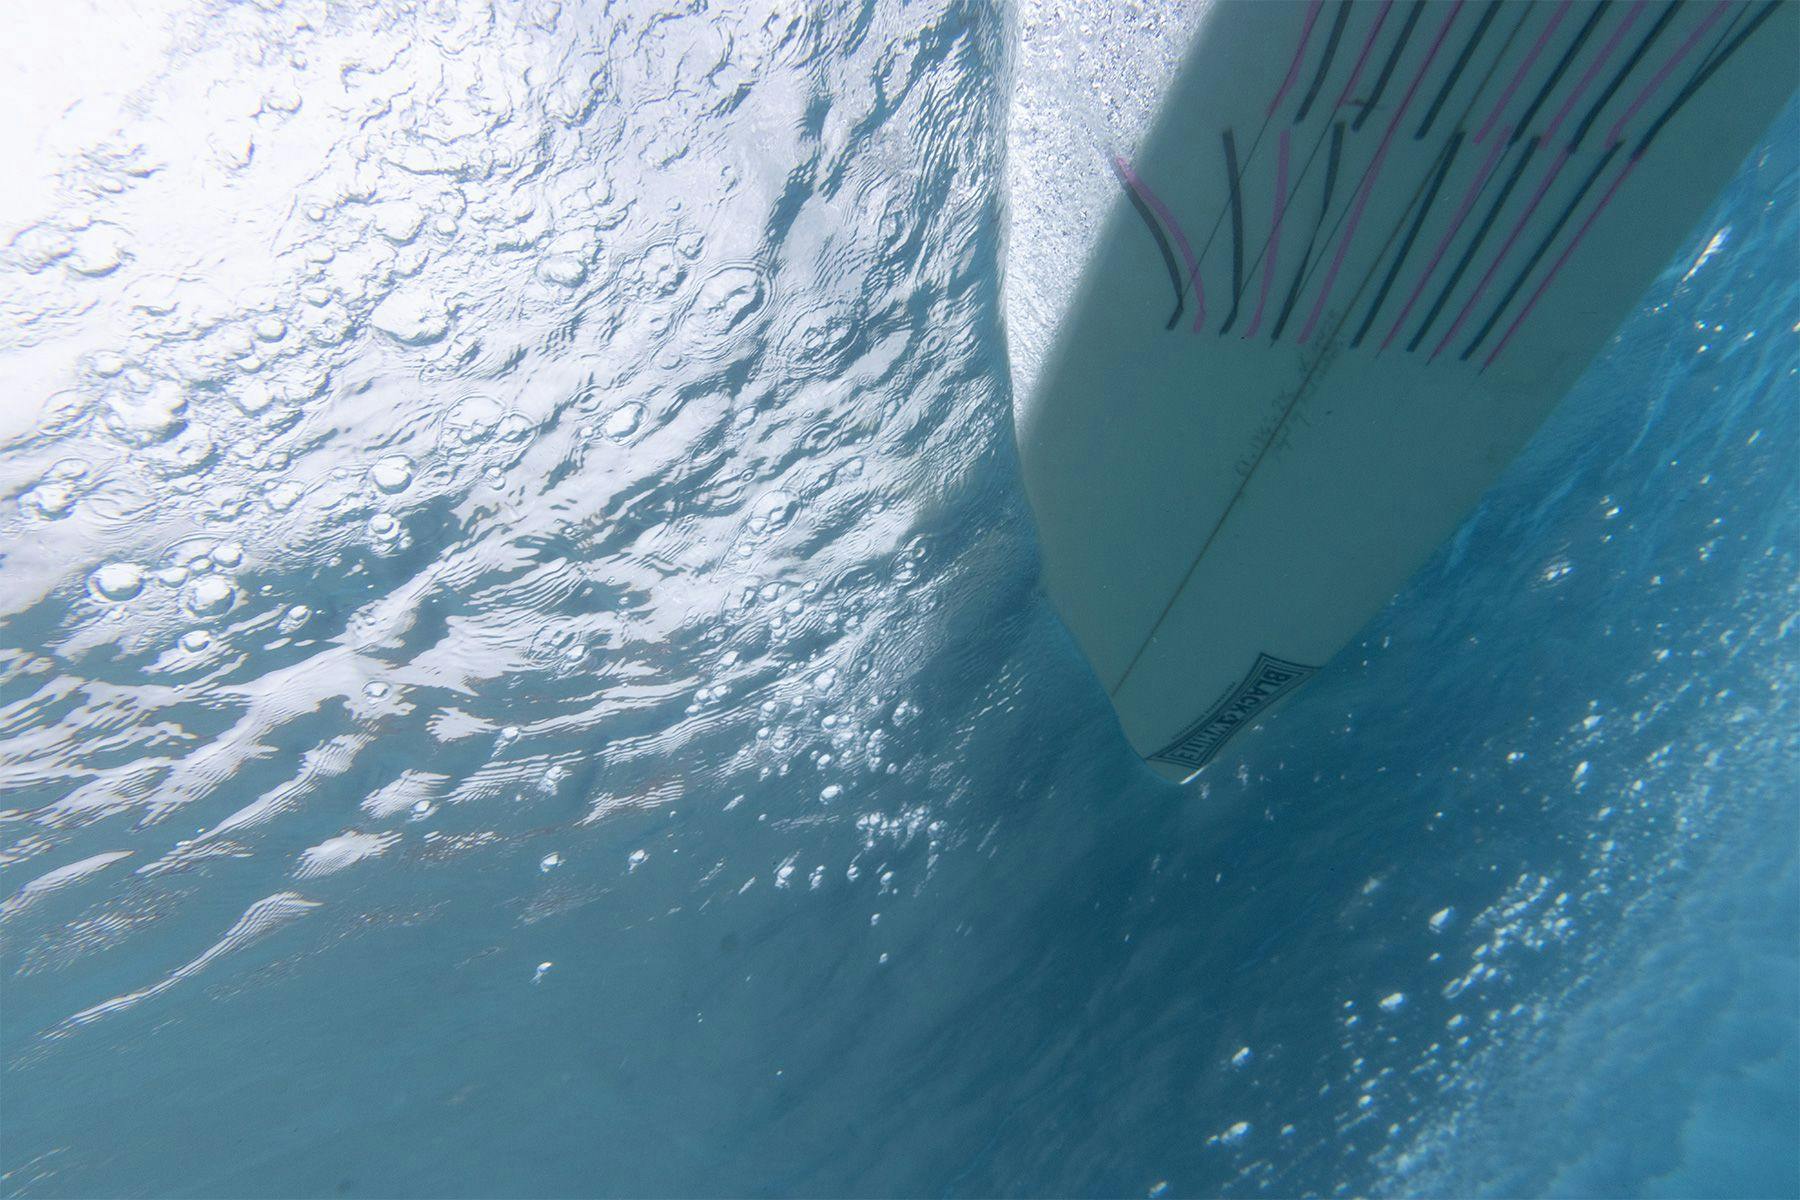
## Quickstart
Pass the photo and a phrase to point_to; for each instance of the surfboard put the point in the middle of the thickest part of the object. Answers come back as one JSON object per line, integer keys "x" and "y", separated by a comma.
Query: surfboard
{"x": 1363, "y": 249}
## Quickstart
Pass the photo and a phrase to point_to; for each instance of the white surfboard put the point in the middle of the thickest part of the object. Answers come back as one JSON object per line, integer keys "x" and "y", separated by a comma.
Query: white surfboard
{"x": 1362, "y": 251}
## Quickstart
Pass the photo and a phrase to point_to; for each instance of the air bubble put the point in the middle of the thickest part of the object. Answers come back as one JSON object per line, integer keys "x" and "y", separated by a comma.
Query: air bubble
{"x": 472, "y": 421}
{"x": 52, "y": 501}
{"x": 116, "y": 582}
{"x": 145, "y": 418}
{"x": 398, "y": 220}
{"x": 564, "y": 270}
{"x": 98, "y": 251}
{"x": 773, "y": 510}
{"x": 728, "y": 298}
{"x": 208, "y": 596}
{"x": 393, "y": 473}
{"x": 282, "y": 98}
{"x": 411, "y": 318}
{"x": 622, "y": 421}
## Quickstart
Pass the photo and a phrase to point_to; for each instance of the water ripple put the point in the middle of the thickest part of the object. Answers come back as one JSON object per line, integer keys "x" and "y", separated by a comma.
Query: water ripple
{"x": 454, "y": 434}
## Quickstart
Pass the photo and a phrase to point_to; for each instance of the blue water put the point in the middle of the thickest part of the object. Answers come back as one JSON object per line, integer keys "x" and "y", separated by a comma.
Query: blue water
{"x": 522, "y": 673}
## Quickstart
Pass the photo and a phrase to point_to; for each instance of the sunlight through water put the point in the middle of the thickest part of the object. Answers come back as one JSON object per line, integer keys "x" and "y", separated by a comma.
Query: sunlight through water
{"x": 521, "y": 670}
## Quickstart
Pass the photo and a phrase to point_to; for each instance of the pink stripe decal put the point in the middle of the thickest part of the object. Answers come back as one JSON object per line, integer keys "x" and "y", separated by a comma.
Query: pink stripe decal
{"x": 1561, "y": 259}
{"x": 1537, "y": 48}
{"x": 1505, "y": 248}
{"x": 1693, "y": 39}
{"x": 1368, "y": 183}
{"x": 1462, "y": 214}
{"x": 1612, "y": 137}
{"x": 1174, "y": 227}
{"x": 1593, "y": 70}
{"x": 1312, "y": 15}
{"x": 1368, "y": 45}
{"x": 1281, "y": 174}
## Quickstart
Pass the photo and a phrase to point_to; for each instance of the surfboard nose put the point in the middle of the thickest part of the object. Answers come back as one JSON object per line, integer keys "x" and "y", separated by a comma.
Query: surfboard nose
{"x": 1358, "y": 256}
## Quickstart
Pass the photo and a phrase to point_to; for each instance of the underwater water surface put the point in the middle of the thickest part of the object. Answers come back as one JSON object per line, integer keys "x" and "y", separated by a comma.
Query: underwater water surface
{"x": 521, "y": 670}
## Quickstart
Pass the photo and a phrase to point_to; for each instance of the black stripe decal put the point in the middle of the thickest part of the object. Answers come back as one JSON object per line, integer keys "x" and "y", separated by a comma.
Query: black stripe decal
{"x": 1562, "y": 66}
{"x": 1445, "y": 158}
{"x": 1705, "y": 73}
{"x": 1387, "y": 68}
{"x": 1162, "y": 244}
{"x": 1331, "y": 45}
{"x": 1543, "y": 245}
{"x": 1237, "y": 232}
{"x": 1456, "y": 70}
{"x": 1331, "y": 174}
{"x": 1481, "y": 232}
{"x": 1637, "y": 55}
{"x": 1722, "y": 50}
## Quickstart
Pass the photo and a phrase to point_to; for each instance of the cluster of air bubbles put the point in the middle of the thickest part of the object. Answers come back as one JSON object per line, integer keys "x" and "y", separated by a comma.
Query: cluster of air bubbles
{"x": 448, "y": 435}
{"x": 55, "y": 495}
{"x": 194, "y": 582}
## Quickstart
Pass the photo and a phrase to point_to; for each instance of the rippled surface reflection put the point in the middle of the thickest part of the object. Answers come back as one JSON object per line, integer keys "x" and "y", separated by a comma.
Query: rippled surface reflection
{"x": 508, "y": 420}
{"x": 521, "y": 671}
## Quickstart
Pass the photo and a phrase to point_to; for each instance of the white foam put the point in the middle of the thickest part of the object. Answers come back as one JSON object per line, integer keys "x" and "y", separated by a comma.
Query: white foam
{"x": 1086, "y": 78}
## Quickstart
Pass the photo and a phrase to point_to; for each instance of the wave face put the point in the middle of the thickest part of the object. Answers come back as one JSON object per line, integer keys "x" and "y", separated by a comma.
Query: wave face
{"x": 522, "y": 671}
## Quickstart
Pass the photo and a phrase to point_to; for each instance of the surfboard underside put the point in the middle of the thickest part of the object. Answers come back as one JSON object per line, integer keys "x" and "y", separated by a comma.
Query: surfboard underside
{"x": 1365, "y": 248}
